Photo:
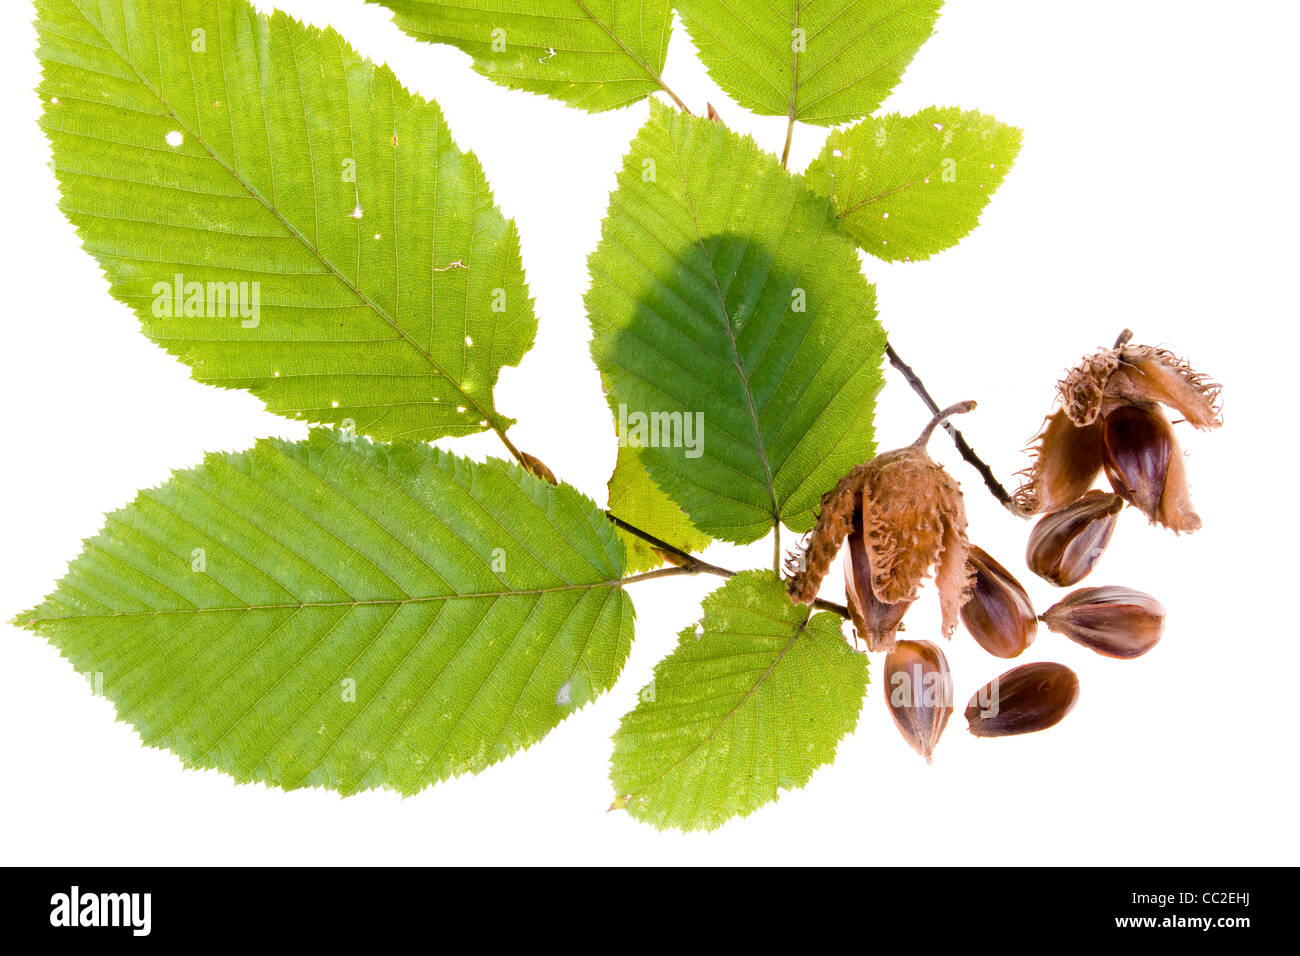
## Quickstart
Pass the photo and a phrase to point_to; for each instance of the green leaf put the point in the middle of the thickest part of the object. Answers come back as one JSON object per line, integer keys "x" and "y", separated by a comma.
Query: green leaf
{"x": 750, "y": 703}
{"x": 206, "y": 141}
{"x": 708, "y": 253}
{"x": 338, "y": 613}
{"x": 906, "y": 187}
{"x": 824, "y": 63}
{"x": 634, "y": 497}
{"x": 593, "y": 54}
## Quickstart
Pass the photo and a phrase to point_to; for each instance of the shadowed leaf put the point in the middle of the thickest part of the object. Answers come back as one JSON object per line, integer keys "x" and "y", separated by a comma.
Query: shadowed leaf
{"x": 735, "y": 333}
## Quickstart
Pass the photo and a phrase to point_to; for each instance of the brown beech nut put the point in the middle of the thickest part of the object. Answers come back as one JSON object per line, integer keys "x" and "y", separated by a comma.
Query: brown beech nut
{"x": 1114, "y": 621}
{"x": 1025, "y": 699}
{"x": 1136, "y": 448}
{"x": 1065, "y": 545}
{"x": 875, "y": 620}
{"x": 999, "y": 614}
{"x": 919, "y": 693}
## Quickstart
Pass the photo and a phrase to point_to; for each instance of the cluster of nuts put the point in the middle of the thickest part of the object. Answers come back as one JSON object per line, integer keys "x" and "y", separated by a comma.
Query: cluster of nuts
{"x": 903, "y": 515}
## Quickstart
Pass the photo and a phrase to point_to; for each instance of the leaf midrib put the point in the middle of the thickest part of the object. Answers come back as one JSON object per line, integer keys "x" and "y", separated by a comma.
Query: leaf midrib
{"x": 722, "y": 722}
{"x": 632, "y": 55}
{"x": 794, "y": 65}
{"x": 370, "y": 602}
{"x": 761, "y": 449}
{"x": 491, "y": 415}
{"x": 849, "y": 210}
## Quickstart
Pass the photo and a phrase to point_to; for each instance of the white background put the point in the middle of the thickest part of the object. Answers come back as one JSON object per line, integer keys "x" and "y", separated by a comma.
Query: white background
{"x": 1156, "y": 189}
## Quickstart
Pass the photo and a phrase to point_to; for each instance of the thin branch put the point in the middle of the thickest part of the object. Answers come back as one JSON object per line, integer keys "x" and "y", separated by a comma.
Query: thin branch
{"x": 687, "y": 563}
{"x": 669, "y": 571}
{"x": 831, "y": 606}
{"x": 963, "y": 447}
{"x": 683, "y": 562}
{"x": 789, "y": 136}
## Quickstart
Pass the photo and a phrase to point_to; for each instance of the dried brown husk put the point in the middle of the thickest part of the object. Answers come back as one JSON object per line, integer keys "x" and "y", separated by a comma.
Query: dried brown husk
{"x": 1069, "y": 450}
{"x": 912, "y": 519}
{"x": 538, "y": 467}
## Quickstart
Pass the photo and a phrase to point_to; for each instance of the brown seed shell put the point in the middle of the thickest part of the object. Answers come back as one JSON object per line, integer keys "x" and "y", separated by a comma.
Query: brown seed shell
{"x": 1065, "y": 545}
{"x": 1024, "y": 700}
{"x": 876, "y": 621}
{"x": 1114, "y": 621}
{"x": 1136, "y": 445}
{"x": 918, "y": 687}
{"x": 999, "y": 614}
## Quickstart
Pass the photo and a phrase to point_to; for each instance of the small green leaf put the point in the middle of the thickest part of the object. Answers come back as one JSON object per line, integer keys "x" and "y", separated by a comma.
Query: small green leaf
{"x": 906, "y": 187}
{"x": 281, "y": 215}
{"x": 750, "y": 703}
{"x": 342, "y": 614}
{"x": 735, "y": 333}
{"x": 592, "y": 54}
{"x": 634, "y": 497}
{"x": 824, "y": 63}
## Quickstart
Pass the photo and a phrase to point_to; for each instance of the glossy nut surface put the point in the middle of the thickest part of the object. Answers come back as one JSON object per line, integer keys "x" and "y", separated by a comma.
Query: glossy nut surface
{"x": 1115, "y": 621}
{"x": 999, "y": 614}
{"x": 876, "y": 621}
{"x": 918, "y": 687}
{"x": 1024, "y": 700}
{"x": 1066, "y": 545}
{"x": 1136, "y": 446}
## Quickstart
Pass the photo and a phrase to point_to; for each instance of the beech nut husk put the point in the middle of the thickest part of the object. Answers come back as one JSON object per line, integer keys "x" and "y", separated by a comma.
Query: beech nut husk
{"x": 1065, "y": 545}
{"x": 919, "y": 693}
{"x": 1113, "y": 621}
{"x": 912, "y": 521}
{"x": 1111, "y": 417}
{"x": 1025, "y": 699}
{"x": 999, "y": 614}
{"x": 538, "y": 468}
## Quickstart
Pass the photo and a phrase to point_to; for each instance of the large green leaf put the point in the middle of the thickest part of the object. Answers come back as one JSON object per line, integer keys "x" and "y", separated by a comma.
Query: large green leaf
{"x": 723, "y": 294}
{"x": 906, "y": 187}
{"x": 634, "y": 497}
{"x": 750, "y": 703}
{"x": 337, "y": 613}
{"x": 593, "y": 54}
{"x": 206, "y": 141}
{"x": 823, "y": 62}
